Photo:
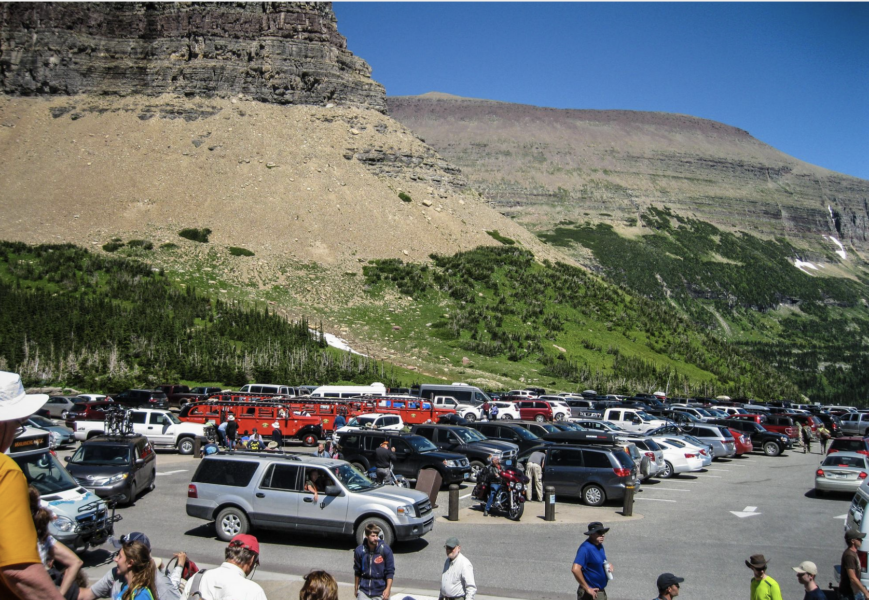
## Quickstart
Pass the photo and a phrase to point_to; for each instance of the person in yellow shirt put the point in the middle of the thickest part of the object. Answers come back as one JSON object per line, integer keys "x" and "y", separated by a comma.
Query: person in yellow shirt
{"x": 763, "y": 587}
{"x": 22, "y": 574}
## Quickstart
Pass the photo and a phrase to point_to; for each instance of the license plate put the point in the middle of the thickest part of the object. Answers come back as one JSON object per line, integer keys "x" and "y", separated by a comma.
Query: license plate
{"x": 467, "y": 475}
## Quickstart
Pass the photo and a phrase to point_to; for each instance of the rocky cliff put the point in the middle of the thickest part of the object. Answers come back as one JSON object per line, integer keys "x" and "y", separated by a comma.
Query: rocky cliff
{"x": 544, "y": 165}
{"x": 277, "y": 52}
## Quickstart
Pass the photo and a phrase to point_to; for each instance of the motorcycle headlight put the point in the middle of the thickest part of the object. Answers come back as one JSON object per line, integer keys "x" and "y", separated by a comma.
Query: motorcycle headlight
{"x": 62, "y": 523}
{"x": 451, "y": 463}
{"x": 518, "y": 486}
{"x": 407, "y": 510}
{"x": 116, "y": 478}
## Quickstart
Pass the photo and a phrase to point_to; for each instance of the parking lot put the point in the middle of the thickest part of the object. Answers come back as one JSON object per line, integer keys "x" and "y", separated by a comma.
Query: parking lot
{"x": 700, "y": 526}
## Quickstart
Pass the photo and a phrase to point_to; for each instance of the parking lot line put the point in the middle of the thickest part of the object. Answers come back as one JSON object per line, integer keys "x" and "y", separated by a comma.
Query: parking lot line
{"x": 466, "y": 496}
{"x": 172, "y": 472}
{"x": 660, "y": 489}
{"x": 726, "y": 470}
{"x": 655, "y": 499}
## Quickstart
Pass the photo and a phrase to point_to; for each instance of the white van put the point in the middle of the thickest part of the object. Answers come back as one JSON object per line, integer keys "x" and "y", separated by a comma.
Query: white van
{"x": 349, "y": 391}
{"x": 463, "y": 393}
{"x": 267, "y": 388}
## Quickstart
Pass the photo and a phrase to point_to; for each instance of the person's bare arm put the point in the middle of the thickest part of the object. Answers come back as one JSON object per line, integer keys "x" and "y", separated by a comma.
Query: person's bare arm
{"x": 30, "y": 581}
{"x": 580, "y": 578}
{"x": 388, "y": 589}
{"x": 86, "y": 594}
{"x": 856, "y": 584}
{"x": 70, "y": 561}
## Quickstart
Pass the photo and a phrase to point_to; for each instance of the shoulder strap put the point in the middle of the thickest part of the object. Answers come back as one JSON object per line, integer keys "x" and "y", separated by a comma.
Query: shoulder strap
{"x": 192, "y": 587}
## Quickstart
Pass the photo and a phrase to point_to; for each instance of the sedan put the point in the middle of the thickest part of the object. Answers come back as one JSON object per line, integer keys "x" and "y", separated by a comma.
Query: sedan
{"x": 841, "y": 472}
{"x": 604, "y": 426}
{"x": 58, "y": 406}
{"x": 60, "y": 435}
{"x": 679, "y": 457}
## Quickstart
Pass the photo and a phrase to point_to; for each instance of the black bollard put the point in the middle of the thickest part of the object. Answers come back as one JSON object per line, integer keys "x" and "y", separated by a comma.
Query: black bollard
{"x": 454, "y": 503}
{"x": 628, "y": 505}
{"x": 549, "y": 503}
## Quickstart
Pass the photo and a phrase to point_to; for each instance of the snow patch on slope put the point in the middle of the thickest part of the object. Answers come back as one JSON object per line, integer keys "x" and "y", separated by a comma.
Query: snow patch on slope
{"x": 841, "y": 251}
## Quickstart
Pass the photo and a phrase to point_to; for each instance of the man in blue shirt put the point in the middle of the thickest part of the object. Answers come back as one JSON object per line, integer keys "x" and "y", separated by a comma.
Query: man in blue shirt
{"x": 589, "y": 569}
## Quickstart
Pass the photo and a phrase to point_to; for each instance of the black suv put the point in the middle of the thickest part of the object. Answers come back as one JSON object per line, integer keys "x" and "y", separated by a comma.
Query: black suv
{"x": 113, "y": 465}
{"x": 469, "y": 442}
{"x": 594, "y": 473}
{"x": 413, "y": 453}
{"x": 142, "y": 399}
{"x": 508, "y": 432}
{"x": 539, "y": 429}
{"x": 768, "y": 442}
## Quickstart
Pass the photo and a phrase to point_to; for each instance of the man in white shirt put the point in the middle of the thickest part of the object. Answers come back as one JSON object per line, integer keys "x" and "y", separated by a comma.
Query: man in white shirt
{"x": 229, "y": 581}
{"x": 457, "y": 581}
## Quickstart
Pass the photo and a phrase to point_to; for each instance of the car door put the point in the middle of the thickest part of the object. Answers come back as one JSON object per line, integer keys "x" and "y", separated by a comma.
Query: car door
{"x": 139, "y": 418}
{"x": 406, "y": 461}
{"x": 158, "y": 428}
{"x": 328, "y": 513}
{"x": 563, "y": 470}
{"x": 277, "y": 497}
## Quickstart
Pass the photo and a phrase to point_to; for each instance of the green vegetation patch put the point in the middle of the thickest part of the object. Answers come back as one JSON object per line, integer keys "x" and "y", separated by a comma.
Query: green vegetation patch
{"x": 501, "y": 238}
{"x": 113, "y": 246}
{"x": 235, "y": 251}
{"x": 405, "y": 197}
{"x": 196, "y": 235}
{"x": 142, "y": 244}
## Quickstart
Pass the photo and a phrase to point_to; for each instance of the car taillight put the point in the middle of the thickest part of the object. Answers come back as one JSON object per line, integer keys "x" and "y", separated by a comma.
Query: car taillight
{"x": 863, "y": 452}
{"x": 191, "y": 491}
{"x": 622, "y": 472}
{"x": 861, "y": 556}
{"x": 820, "y": 473}
{"x": 651, "y": 455}
{"x": 703, "y": 452}
{"x": 691, "y": 455}
{"x": 831, "y": 450}
{"x": 862, "y": 474}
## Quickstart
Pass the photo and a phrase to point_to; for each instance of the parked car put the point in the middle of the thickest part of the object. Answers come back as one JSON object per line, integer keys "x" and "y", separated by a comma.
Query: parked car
{"x": 58, "y": 406}
{"x": 596, "y": 425}
{"x": 121, "y": 466}
{"x": 413, "y": 454}
{"x": 534, "y": 410}
{"x": 560, "y": 408}
{"x": 855, "y": 423}
{"x": 89, "y": 411}
{"x": 841, "y": 472}
{"x": 468, "y": 442}
{"x": 720, "y": 438}
{"x": 771, "y": 444}
{"x": 781, "y": 424}
{"x": 162, "y": 428}
{"x": 60, "y": 436}
{"x": 508, "y": 432}
{"x": 142, "y": 399}
{"x": 244, "y": 491}
{"x": 831, "y": 422}
{"x": 92, "y": 397}
{"x": 593, "y": 473}
{"x": 206, "y": 392}
{"x": 679, "y": 457}
{"x": 539, "y": 429}
{"x": 652, "y": 450}
{"x": 860, "y": 445}
{"x": 507, "y": 410}
{"x": 380, "y": 422}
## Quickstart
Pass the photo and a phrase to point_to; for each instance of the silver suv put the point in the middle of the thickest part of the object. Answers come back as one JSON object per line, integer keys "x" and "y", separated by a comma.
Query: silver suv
{"x": 243, "y": 491}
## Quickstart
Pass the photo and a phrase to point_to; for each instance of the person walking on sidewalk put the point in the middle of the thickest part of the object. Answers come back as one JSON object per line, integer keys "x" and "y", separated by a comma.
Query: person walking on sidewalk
{"x": 374, "y": 567}
{"x": 807, "y": 439}
{"x": 589, "y": 568}
{"x": 850, "y": 584}
{"x": 534, "y": 470}
{"x": 763, "y": 587}
{"x": 824, "y": 435}
{"x": 668, "y": 586}
{"x": 457, "y": 580}
{"x": 806, "y": 573}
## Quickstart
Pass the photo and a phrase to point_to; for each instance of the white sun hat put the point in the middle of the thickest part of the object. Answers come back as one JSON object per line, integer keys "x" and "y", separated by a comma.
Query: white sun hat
{"x": 14, "y": 402}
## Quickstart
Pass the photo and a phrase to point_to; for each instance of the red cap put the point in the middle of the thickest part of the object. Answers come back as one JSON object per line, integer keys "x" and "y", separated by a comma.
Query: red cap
{"x": 245, "y": 541}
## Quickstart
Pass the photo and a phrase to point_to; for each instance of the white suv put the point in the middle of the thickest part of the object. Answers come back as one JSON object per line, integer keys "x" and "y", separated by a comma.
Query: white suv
{"x": 560, "y": 408}
{"x": 379, "y": 421}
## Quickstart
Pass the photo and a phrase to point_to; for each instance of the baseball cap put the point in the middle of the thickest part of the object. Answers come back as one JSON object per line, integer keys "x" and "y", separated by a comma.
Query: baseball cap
{"x": 806, "y": 566}
{"x": 246, "y": 541}
{"x": 665, "y": 580}
{"x": 853, "y": 534}
{"x": 136, "y": 536}
{"x": 15, "y": 403}
{"x": 452, "y": 542}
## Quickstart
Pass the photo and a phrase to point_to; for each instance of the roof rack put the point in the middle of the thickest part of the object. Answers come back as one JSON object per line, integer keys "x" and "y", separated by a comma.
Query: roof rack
{"x": 274, "y": 454}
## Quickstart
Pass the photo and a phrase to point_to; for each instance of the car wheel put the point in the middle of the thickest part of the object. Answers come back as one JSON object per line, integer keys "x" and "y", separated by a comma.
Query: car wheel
{"x": 470, "y": 417}
{"x": 539, "y": 418}
{"x": 559, "y": 417}
{"x": 230, "y": 522}
{"x": 505, "y": 417}
{"x": 668, "y": 470}
{"x": 63, "y": 414}
{"x": 309, "y": 440}
{"x": 185, "y": 446}
{"x": 386, "y": 533}
{"x": 153, "y": 483}
{"x": 476, "y": 468}
{"x": 593, "y": 495}
{"x": 772, "y": 449}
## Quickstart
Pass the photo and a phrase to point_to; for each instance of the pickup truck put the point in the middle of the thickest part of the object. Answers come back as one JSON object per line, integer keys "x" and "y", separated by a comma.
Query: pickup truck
{"x": 632, "y": 420}
{"x": 179, "y": 395}
{"x": 378, "y": 421}
{"x": 161, "y": 427}
{"x": 466, "y": 411}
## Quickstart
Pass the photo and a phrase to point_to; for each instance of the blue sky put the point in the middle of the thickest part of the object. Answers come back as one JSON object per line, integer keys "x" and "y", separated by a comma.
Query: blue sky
{"x": 794, "y": 75}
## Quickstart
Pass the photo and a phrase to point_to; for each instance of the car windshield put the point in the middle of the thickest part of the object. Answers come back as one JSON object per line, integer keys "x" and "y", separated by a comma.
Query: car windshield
{"x": 171, "y": 416}
{"x": 45, "y": 474}
{"x": 362, "y": 421}
{"x": 41, "y": 421}
{"x": 525, "y": 434}
{"x": 693, "y": 440}
{"x": 468, "y": 435}
{"x": 644, "y": 416}
{"x": 676, "y": 443}
{"x": 420, "y": 444}
{"x": 845, "y": 461}
{"x": 101, "y": 454}
{"x": 352, "y": 478}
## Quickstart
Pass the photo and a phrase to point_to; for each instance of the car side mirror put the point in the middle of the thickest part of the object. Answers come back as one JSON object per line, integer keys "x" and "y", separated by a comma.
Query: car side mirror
{"x": 140, "y": 462}
{"x": 66, "y": 458}
{"x": 333, "y": 490}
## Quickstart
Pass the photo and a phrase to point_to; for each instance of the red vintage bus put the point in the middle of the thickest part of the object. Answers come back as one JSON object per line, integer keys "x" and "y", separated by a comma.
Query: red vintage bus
{"x": 258, "y": 415}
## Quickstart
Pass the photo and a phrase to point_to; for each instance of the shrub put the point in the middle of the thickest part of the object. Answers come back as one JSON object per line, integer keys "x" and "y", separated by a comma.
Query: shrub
{"x": 501, "y": 238}
{"x": 240, "y": 251}
{"x": 405, "y": 197}
{"x": 113, "y": 246}
{"x": 168, "y": 246}
{"x": 143, "y": 244}
{"x": 196, "y": 235}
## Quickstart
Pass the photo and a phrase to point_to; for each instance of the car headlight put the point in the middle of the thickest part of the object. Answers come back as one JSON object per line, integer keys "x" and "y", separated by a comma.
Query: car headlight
{"x": 451, "y": 463}
{"x": 407, "y": 510}
{"x": 117, "y": 478}
{"x": 62, "y": 523}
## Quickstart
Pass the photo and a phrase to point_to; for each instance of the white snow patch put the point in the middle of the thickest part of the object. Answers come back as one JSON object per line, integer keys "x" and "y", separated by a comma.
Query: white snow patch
{"x": 841, "y": 250}
{"x": 336, "y": 342}
{"x": 830, "y": 208}
{"x": 802, "y": 266}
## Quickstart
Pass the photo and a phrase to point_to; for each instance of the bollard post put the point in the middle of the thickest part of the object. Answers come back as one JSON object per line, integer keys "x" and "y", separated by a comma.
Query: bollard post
{"x": 628, "y": 505}
{"x": 549, "y": 503}
{"x": 454, "y": 503}
{"x": 197, "y": 447}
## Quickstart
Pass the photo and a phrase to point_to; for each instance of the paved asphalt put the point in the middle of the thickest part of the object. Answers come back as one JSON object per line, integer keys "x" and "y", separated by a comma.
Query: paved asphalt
{"x": 683, "y": 525}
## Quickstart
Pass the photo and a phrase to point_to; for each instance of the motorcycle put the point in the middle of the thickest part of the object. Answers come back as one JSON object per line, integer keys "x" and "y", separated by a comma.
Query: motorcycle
{"x": 510, "y": 497}
{"x": 391, "y": 479}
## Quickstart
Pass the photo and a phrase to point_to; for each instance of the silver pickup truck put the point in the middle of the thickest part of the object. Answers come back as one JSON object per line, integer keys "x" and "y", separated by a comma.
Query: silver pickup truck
{"x": 243, "y": 491}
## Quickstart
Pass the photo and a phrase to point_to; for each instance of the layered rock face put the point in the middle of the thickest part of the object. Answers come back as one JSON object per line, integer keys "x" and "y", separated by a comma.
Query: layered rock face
{"x": 276, "y": 52}
{"x": 543, "y": 165}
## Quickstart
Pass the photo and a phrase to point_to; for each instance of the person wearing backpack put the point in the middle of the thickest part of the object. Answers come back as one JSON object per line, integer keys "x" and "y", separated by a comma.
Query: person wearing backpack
{"x": 373, "y": 566}
{"x": 229, "y": 581}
